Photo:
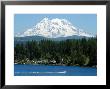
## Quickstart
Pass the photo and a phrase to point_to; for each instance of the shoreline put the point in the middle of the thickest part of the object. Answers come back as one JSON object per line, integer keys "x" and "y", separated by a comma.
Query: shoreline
{"x": 94, "y": 66}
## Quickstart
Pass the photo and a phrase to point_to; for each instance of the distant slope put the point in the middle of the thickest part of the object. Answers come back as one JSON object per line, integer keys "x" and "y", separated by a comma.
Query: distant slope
{"x": 18, "y": 40}
{"x": 38, "y": 38}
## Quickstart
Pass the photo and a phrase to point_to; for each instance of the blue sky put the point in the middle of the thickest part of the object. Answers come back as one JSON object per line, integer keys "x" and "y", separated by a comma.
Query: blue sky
{"x": 87, "y": 22}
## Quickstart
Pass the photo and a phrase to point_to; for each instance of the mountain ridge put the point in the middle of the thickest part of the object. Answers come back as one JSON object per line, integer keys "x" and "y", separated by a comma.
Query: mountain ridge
{"x": 54, "y": 28}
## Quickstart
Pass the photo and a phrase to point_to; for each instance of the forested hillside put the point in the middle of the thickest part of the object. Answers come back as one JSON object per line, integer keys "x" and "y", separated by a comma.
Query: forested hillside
{"x": 70, "y": 52}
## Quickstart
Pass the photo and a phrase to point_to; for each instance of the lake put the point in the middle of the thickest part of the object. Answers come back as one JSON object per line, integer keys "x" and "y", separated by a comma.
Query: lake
{"x": 45, "y": 70}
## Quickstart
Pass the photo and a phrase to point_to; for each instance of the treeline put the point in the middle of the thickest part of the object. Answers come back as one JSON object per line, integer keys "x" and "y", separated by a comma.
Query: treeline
{"x": 71, "y": 52}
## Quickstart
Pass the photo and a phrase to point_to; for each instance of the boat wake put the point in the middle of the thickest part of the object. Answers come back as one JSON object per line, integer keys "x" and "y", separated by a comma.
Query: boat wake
{"x": 62, "y": 72}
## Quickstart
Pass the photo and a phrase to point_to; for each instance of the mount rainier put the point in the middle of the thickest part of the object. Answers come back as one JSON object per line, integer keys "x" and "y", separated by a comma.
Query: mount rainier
{"x": 54, "y": 28}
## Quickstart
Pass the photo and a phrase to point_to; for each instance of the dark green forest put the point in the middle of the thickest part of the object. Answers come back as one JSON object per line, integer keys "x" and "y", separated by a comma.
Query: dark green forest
{"x": 70, "y": 52}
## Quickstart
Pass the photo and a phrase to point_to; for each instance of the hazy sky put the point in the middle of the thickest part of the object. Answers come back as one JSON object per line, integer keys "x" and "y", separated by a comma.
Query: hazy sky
{"x": 87, "y": 22}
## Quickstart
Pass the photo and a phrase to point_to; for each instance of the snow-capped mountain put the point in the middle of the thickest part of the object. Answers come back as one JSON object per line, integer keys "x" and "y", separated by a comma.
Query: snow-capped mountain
{"x": 54, "y": 28}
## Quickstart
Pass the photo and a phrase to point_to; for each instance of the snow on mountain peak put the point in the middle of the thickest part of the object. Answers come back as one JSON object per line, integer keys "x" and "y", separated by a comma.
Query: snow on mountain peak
{"x": 54, "y": 28}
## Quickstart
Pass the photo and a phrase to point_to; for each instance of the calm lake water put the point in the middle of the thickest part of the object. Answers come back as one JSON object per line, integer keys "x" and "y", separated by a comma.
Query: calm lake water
{"x": 42, "y": 70}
